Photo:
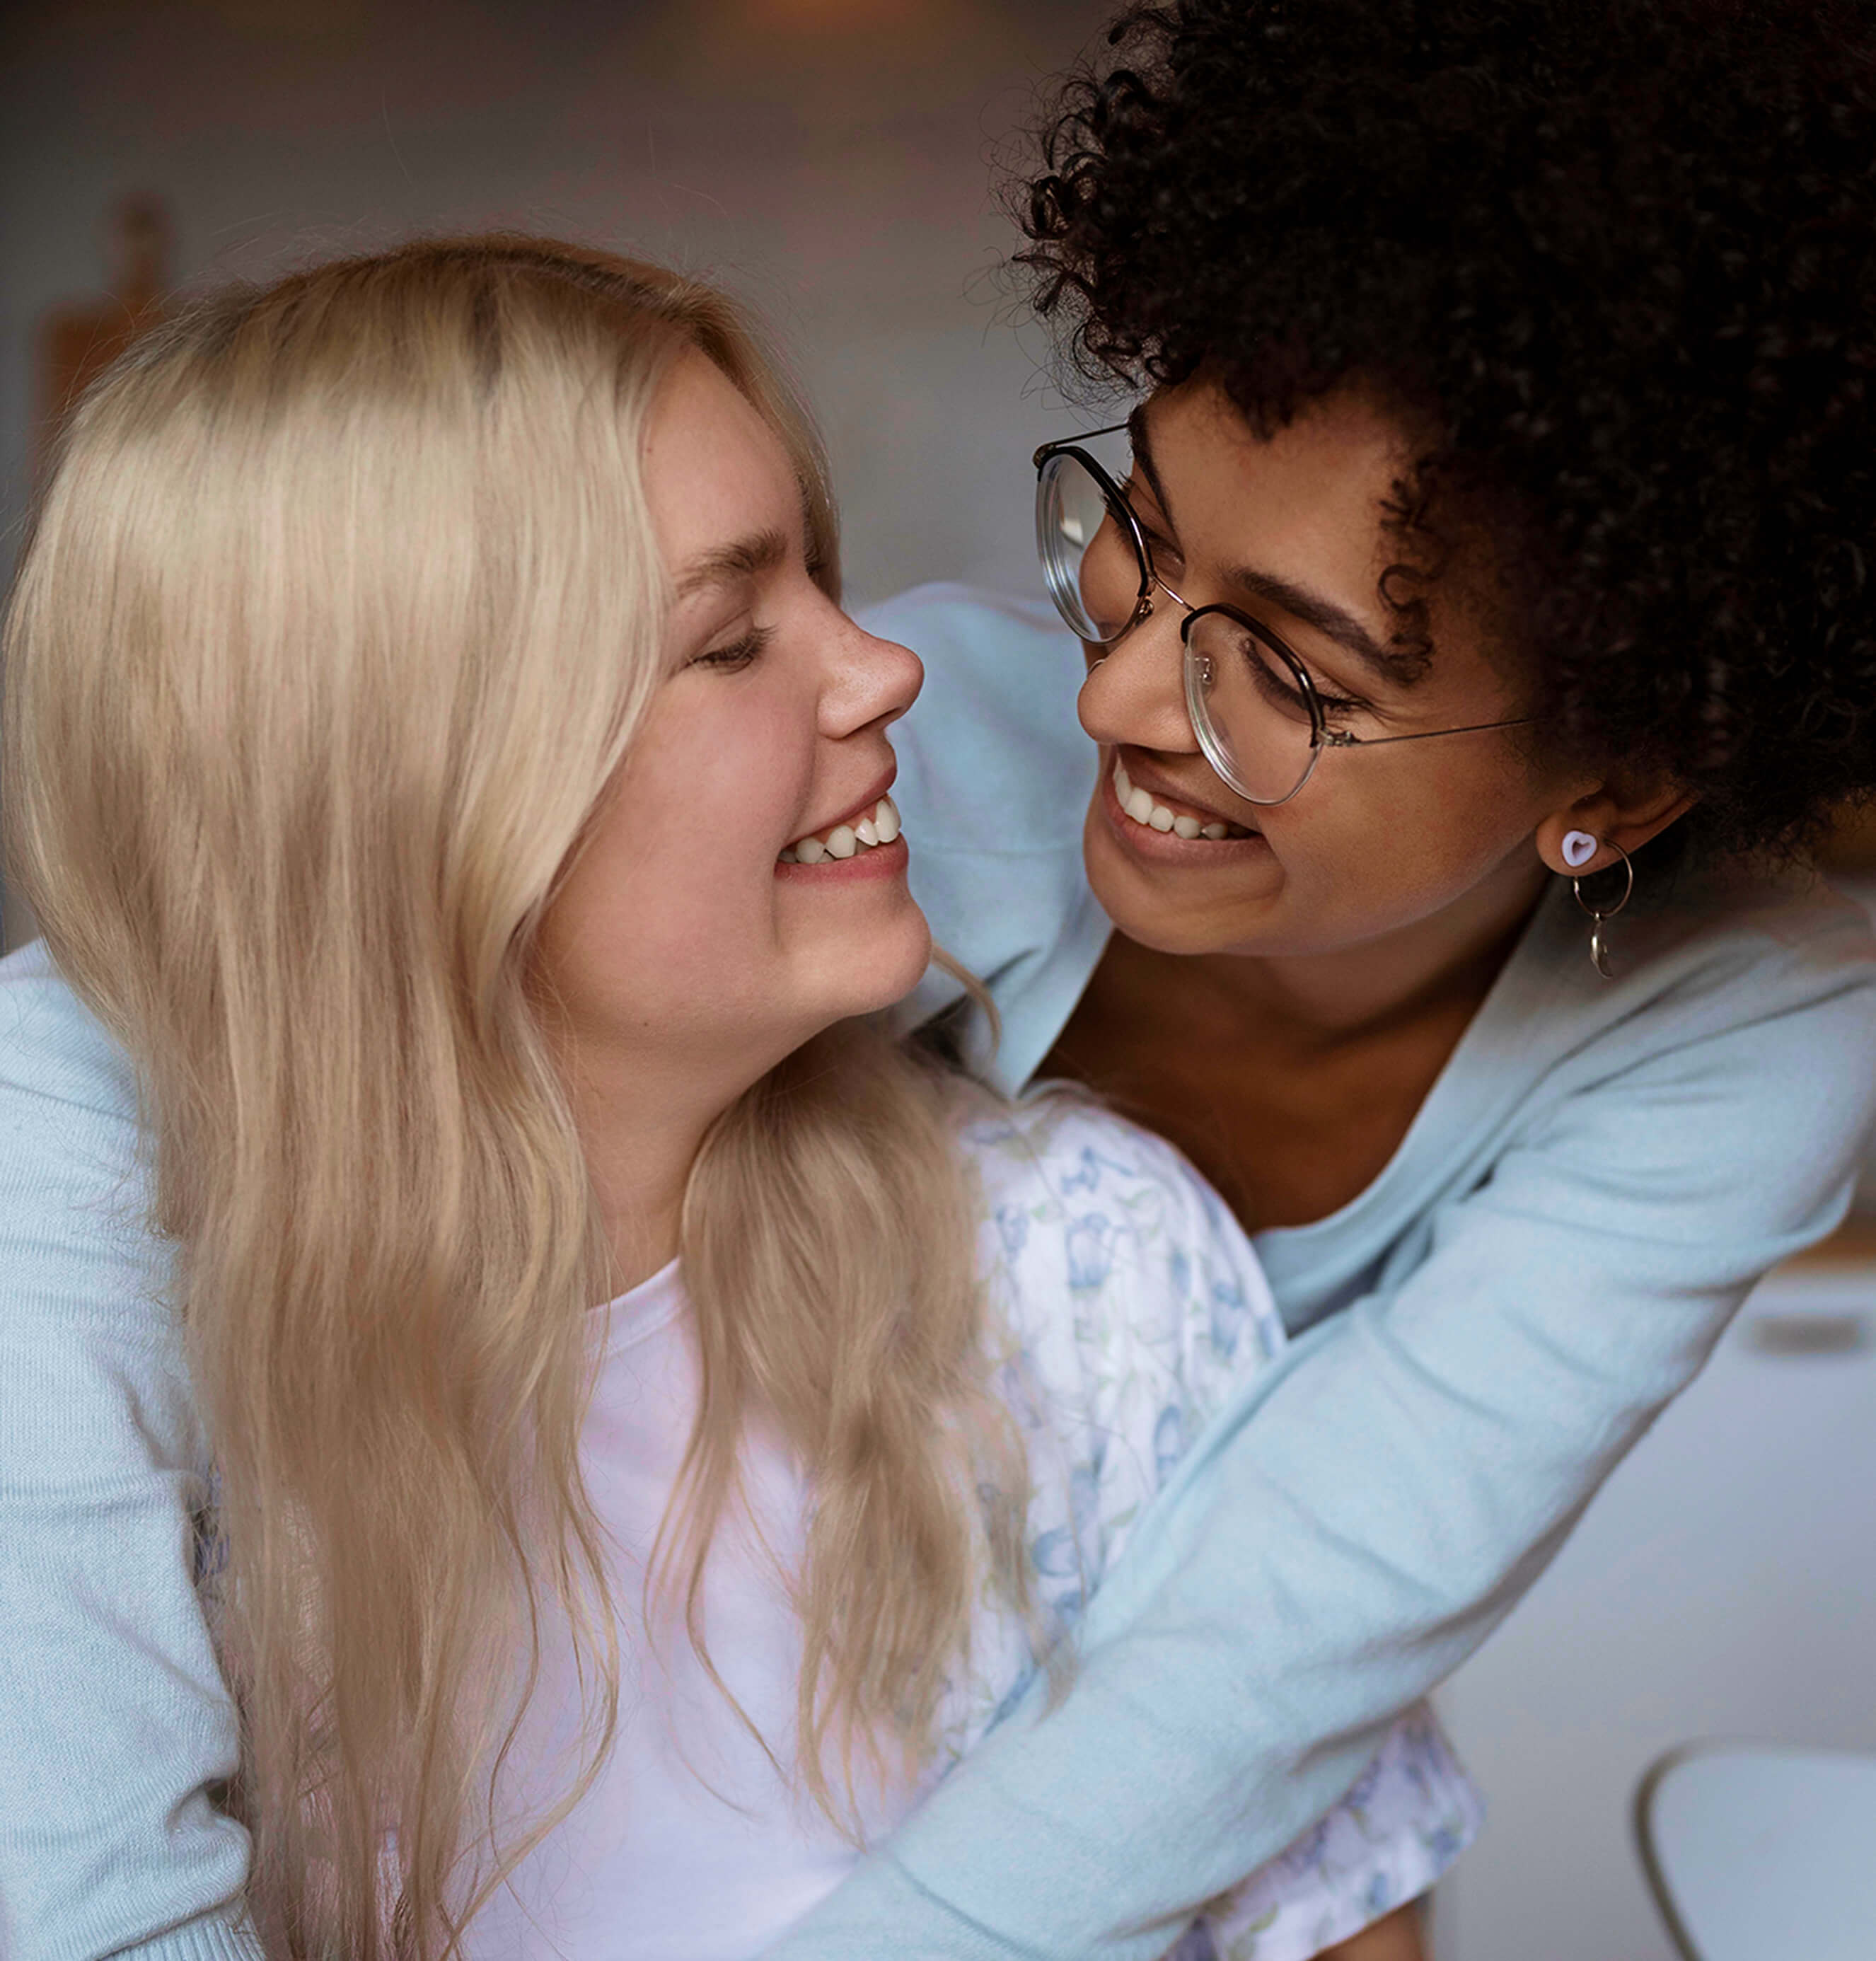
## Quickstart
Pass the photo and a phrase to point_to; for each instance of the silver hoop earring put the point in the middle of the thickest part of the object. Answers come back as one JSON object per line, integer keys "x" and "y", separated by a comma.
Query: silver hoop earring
{"x": 1600, "y": 916}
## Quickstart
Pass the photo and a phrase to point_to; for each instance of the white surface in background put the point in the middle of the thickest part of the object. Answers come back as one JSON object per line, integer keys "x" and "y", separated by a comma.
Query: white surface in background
{"x": 1770, "y": 1853}
{"x": 1723, "y": 1585}
{"x": 1863, "y": 889}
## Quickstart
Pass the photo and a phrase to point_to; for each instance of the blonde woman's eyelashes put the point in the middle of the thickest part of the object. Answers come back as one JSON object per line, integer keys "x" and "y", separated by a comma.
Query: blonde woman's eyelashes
{"x": 739, "y": 654}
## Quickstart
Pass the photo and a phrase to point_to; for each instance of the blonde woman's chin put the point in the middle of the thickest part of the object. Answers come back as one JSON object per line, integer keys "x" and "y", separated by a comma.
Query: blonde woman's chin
{"x": 873, "y": 957}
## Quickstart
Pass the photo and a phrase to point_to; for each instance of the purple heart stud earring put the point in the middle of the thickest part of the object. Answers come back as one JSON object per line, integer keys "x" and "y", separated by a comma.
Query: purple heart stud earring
{"x": 1579, "y": 847}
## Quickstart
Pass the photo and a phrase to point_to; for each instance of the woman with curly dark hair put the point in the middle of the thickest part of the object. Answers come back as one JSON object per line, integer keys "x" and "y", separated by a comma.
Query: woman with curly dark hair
{"x": 1477, "y": 629}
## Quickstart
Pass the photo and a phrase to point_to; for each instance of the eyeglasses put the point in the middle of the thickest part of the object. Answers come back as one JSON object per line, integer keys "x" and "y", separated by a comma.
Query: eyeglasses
{"x": 1258, "y": 715}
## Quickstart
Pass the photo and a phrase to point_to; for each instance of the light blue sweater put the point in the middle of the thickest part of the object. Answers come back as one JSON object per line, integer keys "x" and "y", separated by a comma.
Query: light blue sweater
{"x": 1597, "y": 1178}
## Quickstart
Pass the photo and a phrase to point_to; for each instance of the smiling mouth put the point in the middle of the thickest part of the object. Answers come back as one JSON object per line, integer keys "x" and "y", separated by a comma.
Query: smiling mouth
{"x": 878, "y": 825}
{"x": 1139, "y": 806}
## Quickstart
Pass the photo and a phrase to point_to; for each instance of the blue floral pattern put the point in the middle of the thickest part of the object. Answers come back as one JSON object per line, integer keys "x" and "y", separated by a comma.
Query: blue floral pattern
{"x": 1167, "y": 1313}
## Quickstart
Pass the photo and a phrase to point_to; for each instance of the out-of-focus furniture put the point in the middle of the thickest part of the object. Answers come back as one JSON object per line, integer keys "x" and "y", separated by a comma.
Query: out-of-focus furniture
{"x": 1723, "y": 1584}
{"x": 79, "y": 341}
{"x": 1756, "y": 1853}
{"x": 76, "y": 343}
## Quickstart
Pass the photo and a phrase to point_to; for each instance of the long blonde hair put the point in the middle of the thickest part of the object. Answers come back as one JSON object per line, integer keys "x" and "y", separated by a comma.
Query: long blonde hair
{"x": 338, "y": 613}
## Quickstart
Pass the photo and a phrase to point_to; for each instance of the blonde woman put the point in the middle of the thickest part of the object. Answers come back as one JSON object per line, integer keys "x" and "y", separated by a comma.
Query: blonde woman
{"x": 442, "y": 769}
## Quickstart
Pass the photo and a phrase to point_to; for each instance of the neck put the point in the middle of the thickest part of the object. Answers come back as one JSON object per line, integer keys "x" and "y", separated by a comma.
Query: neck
{"x": 641, "y": 1135}
{"x": 1446, "y": 961}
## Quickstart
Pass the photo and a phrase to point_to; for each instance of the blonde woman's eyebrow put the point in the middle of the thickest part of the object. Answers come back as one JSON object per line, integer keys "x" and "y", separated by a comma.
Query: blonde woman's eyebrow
{"x": 742, "y": 558}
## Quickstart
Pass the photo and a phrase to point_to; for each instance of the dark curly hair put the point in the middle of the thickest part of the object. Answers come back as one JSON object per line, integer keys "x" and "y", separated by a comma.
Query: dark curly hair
{"x": 1617, "y": 257}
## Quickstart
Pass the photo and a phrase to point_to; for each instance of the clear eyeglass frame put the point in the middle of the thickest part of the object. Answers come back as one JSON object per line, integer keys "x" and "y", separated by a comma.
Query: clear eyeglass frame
{"x": 1063, "y": 577}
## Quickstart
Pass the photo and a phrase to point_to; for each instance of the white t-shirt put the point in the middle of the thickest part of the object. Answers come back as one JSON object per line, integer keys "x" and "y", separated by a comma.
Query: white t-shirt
{"x": 1130, "y": 1304}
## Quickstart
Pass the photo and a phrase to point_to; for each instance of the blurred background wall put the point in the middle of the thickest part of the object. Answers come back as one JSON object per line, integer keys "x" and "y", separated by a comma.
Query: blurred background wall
{"x": 831, "y": 160}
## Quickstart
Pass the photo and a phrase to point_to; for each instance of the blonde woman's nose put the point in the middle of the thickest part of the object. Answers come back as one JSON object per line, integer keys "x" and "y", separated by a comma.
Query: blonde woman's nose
{"x": 870, "y": 680}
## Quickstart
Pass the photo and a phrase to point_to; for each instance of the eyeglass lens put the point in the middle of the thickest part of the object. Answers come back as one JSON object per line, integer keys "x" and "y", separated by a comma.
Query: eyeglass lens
{"x": 1094, "y": 573}
{"x": 1249, "y": 706}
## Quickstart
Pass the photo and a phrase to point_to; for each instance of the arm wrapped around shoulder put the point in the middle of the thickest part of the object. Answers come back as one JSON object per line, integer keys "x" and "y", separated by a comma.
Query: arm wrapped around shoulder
{"x": 1414, "y": 1462}
{"x": 115, "y": 1724}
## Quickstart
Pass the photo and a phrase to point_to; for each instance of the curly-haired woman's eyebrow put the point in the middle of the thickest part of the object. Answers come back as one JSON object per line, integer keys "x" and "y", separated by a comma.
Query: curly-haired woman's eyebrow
{"x": 1302, "y": 603}
{"x": 1398, "y": 668}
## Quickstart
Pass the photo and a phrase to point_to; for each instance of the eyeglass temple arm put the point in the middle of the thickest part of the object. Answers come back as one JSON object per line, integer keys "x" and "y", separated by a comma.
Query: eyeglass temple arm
{"x": 1049, "y": 449}
{"x": 1338, "y": 738}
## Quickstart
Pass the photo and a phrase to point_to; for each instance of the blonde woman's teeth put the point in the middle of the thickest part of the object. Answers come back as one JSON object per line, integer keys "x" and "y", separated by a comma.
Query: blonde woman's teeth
{"x": 1154, "y": 816}
{"x": 879, "y": 826}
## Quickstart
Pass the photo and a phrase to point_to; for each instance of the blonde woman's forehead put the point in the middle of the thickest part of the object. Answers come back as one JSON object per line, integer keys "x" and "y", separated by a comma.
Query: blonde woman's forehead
{"x": 721, "y": 486}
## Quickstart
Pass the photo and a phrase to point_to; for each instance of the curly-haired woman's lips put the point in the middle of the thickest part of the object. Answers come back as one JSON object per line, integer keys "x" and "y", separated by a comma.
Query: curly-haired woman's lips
{"x": 1158, "y": 809}
{"x": 1171, "y": 831}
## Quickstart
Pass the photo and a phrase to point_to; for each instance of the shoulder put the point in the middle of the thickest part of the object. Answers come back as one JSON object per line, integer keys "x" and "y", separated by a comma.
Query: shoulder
{"x": 1127, "y": 1309}
{"x": 1748, "y": 1073}
{"x": 70, "y": 1174}
{"x": 67, "y": 1110}
{"x": 104, "y": 1469}
{"x": 86, "y": 1344}
{"x": 1789, "y": 915}
{"x": 1742, "y": 1020}
{"x": 1700, "y": 1115}
{"x": 53, "y": 1052}
{"x": 1056, "y": 1146}
{"x": 1095, "y": 1226}
{"x": 1710, "y": 1100}
{"x": 1780, "y": 959}
{"x": 1784, "y": 935}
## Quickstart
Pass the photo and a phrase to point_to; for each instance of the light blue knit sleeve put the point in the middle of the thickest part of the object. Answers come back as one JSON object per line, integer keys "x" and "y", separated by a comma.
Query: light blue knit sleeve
{"x": 994, "y": 780}
{"x": 1132, "y": 1306}
{"x": 115, "y": 1725}
{"x": 1362, "y": 1514}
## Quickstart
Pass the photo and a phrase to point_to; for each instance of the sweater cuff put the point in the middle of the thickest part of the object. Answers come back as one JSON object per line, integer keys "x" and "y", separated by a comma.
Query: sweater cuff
{"x": 228, "y": 1935}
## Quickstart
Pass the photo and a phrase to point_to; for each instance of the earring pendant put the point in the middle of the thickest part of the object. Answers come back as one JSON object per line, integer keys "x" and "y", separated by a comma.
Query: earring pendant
{"x": 1600, "y": 916}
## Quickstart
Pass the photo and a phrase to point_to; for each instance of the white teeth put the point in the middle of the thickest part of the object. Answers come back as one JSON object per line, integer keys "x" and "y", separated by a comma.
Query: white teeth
{"x": 1144, "y": 811}
{"x": 880, "y": 826}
